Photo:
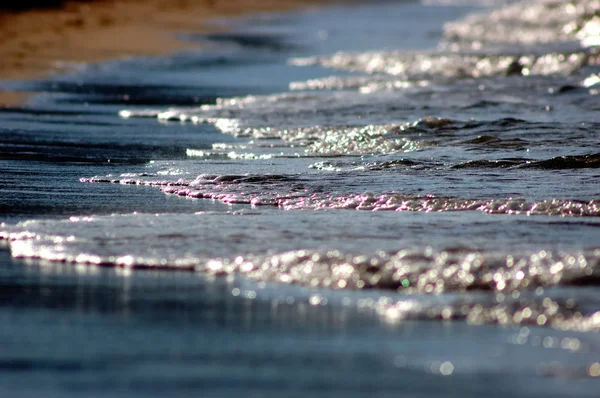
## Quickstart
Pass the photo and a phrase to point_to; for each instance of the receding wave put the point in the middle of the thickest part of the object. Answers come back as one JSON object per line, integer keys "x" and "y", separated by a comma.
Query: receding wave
{"x": 496, "y": 286}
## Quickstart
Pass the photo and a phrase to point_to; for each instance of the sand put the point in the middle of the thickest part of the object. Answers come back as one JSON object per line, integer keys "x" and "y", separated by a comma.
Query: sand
{"x": 39, "y": 42}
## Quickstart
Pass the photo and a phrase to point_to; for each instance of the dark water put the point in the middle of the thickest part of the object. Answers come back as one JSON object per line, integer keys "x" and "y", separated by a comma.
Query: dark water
{"x": 395, "y": 198}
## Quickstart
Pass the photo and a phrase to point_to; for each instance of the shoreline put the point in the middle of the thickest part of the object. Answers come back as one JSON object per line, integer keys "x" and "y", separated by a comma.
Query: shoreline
{"x": 45, "y": 41}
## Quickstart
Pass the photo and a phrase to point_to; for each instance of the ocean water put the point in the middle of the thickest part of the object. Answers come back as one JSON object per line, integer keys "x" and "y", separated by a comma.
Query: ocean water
{"x": 395, "y": 198}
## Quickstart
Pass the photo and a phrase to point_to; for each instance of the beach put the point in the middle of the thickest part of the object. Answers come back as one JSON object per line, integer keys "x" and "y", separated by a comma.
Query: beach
{"x": 37, "y": 42}
{"x": 358, "y": 200}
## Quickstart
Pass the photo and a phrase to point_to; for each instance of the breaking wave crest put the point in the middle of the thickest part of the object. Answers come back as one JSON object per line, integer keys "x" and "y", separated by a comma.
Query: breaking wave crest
{"x": 274, "y": 190}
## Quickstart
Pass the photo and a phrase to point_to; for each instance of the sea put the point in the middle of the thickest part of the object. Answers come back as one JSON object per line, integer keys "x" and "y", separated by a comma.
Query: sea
{"x": 394, "y": 198}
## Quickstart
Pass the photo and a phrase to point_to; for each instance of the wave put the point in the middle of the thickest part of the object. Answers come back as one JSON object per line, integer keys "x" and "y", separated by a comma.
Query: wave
{"x": 591, "y": 161}
{"x": 506, "y": 286}
{"x": 528, "y": 23}
{"x": 274, "y": 190}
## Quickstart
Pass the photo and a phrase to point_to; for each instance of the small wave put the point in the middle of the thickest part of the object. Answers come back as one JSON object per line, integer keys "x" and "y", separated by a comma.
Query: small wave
{"x": 543, "y": 311}
{"x": 274, "y": 190}
{"x": 495, "y": 286}
{"x": 365, "y": 84}
{"x": 491, "y": 141}
{"x": 449, "y": 65}
{"x": 591, "y": 161}
{"x": 522, "y": 24}
{"x": 503, "y": 133}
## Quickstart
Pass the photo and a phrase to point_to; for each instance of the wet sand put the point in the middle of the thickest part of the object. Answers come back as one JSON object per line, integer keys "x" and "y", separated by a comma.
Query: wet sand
{"x": 42, "y": 41}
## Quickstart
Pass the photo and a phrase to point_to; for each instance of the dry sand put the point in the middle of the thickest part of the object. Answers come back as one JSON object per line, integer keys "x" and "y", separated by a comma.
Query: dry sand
{"x": 39, "y": 42}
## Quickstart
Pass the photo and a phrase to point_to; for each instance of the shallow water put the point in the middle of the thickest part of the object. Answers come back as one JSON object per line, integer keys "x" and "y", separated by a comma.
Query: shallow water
{"x": 352, "y": 208}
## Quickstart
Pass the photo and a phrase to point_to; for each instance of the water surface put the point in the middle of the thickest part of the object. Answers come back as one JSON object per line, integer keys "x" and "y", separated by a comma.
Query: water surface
{"x": 314, "y": 204}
